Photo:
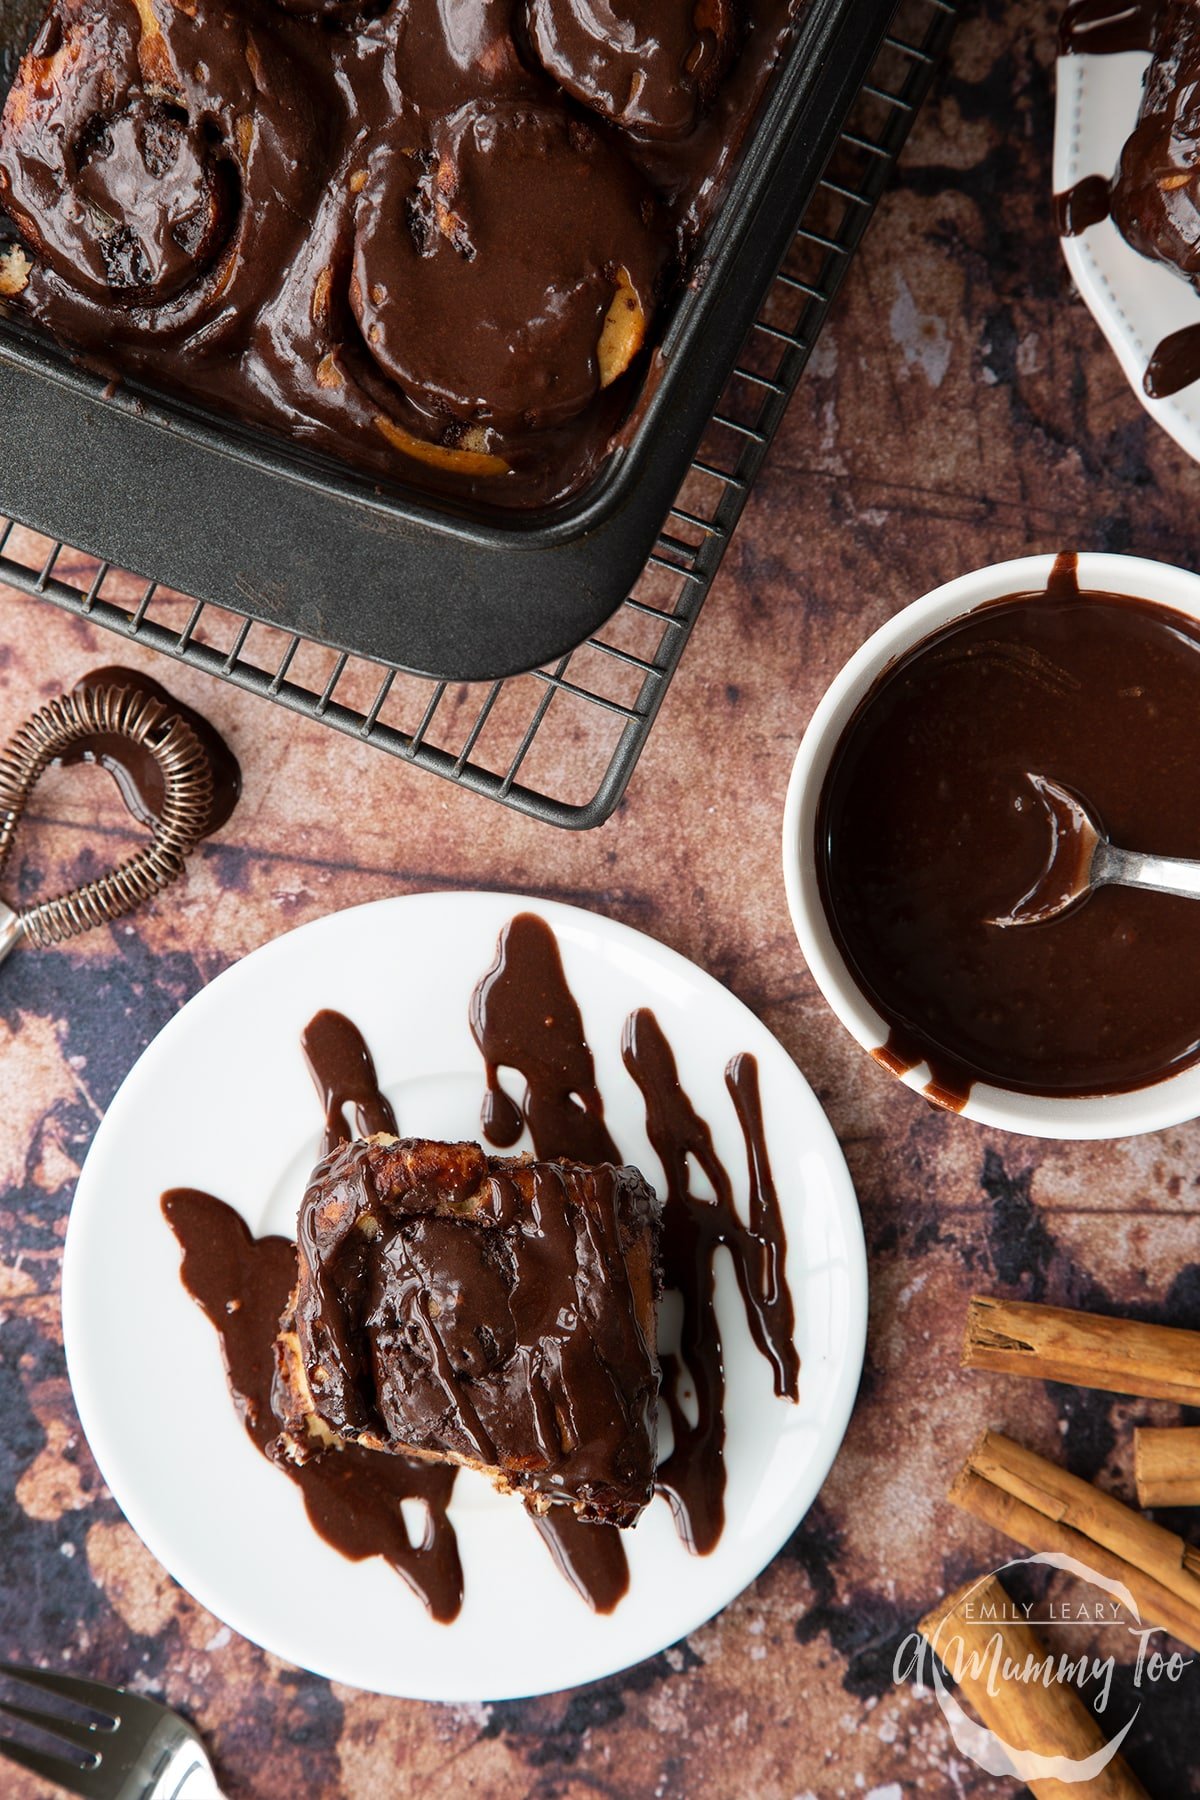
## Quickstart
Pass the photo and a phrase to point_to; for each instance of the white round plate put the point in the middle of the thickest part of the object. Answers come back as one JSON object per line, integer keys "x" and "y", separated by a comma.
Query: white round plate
{"x": 222, "y": 1101}
{"x": 1135, "y": 302}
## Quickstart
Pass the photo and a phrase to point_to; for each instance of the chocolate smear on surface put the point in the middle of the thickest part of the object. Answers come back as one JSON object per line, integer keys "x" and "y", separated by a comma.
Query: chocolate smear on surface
{"x": 137, "y": 774}
{"x": 1107, "y": 27}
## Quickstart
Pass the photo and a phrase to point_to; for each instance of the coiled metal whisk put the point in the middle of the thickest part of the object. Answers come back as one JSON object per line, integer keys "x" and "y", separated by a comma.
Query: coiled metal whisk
{"x": 96, "y": 713}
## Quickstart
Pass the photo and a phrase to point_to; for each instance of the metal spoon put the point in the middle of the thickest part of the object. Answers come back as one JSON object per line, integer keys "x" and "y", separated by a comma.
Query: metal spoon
{"x": 1081, "y": 858}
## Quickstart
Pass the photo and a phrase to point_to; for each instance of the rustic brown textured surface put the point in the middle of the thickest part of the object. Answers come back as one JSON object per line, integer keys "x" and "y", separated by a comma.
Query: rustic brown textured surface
{"x": 961, "y": 408}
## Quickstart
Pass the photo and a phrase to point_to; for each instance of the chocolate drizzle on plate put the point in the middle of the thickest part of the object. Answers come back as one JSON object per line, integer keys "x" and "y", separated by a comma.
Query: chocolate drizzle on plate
{"x": 1082, "y": 206}
{"x": 1174, "y": 365}
{"x": 693, "y": 1476}
{"x": 524, "y": 1017}
{"x": 137, "y": 775}
{"x": 1152, "y": 198}
{"x": 343, "y": 1073}
{"x": 354, "y": 1499}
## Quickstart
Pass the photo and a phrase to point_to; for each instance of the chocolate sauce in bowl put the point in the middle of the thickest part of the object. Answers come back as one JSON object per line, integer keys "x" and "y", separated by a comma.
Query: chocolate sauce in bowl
{"x": 693, "y": 1476}
{"x": 138, "y": 776}
{"x": 929, "y": 830}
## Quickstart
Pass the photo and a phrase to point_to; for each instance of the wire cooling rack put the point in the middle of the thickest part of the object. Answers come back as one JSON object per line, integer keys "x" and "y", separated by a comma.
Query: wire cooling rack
{"x": 559, "y": 743}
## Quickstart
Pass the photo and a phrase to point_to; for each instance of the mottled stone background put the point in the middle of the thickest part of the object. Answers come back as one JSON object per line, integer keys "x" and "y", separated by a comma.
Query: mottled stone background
{"x": 961, "y": 408}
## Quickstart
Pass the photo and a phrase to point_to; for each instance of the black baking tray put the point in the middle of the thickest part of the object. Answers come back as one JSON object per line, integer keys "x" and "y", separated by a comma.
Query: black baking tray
{"x": 244, "y": 520}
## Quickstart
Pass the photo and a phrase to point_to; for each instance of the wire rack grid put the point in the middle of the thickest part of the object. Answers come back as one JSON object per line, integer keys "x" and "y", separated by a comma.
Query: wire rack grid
{"x": 561, "y": 742}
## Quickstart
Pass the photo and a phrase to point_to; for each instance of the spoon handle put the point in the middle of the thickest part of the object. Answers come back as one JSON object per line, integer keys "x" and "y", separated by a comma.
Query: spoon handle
{"x": 1163, "y": 874}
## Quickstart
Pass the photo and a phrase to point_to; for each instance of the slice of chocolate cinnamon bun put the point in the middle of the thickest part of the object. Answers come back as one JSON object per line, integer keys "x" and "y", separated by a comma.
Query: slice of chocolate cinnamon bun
{"x": 159, "y": 167}
{"x": 495, "y": 1312}
{"x": 1156, "y": 194}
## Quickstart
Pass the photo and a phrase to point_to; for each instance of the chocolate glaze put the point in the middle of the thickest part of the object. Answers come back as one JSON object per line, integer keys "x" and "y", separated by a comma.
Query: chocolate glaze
{"x": 929, "y": 829}
{"x": 1174, "y": 365}
{"x": 693, "y": 1476}
{"x": 387, "y": 232}
{"x": 242, "y": 1284}
{"x": 1154, "y": 198}
{"x": 508, "y": 238}
{"x": 648, "y": 65}
{"x": 343, "y": 1073}
{"x": 1107, "y": 27}
{"x": 1156, "y": 194}
{"x": 491, "y": 1309}
{"x": 137, "y": 775}
{"x": 1081, "y": 206}
{"x": 525, "y": 1017}
{"x": 591, "y": 1557}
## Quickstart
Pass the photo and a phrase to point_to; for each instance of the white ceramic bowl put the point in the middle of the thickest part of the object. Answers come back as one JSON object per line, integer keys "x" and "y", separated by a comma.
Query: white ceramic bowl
{"x": 1163, "y": 1103}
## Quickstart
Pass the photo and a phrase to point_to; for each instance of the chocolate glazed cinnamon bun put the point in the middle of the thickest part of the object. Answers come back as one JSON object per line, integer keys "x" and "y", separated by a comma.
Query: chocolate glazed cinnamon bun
{"x": 1156, "y": 194}
{"x": 476, "y": 287}
{"x": 129, "y": 144}
{"x": 650, "y": 66}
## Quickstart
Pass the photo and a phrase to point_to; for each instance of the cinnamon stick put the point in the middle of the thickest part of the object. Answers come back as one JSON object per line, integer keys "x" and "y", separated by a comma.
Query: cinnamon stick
{"x": 1166, "y": 1465}
{"x": 1045, "y": 1508}
{"x": 975, "y": 1633}
{"x": 1121, "y": 1356}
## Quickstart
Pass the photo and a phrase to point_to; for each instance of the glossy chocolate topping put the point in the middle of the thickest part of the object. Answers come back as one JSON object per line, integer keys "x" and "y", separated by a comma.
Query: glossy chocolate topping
{"x": 1156, "y": 192}
{"x": 930, "y": 830}
{"x": 384, "y": 230}
{"x": 524, "y": 1016}
{"x": 1081, "y": 206}
{"x": 494, "y": 1310}
{"x": 648, "y": 65}
{"x": 136, "y": 772}
{"x": 1107, "y": 27}
{"x": 242, "y": 1283}
{"x": 507, "y": 240}
{"x": 1175, "y": 363}
{"x": 1154, "y": 198}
